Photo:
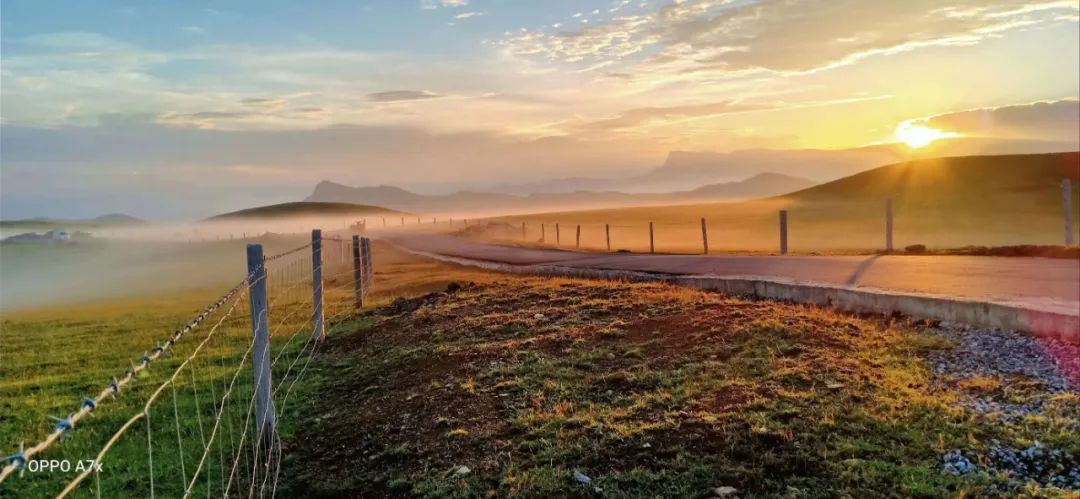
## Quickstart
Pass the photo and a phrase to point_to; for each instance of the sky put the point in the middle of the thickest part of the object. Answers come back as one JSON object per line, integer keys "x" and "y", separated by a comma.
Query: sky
{"x": 186, "y": 109}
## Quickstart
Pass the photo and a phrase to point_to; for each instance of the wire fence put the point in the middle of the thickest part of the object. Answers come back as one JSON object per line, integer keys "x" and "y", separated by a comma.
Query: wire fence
{"x": 771, "y": 226}
{"x": 200, "y": 430}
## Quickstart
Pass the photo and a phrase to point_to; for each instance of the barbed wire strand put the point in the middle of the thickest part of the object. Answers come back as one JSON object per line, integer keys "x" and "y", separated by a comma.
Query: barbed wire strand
{"x": 149, "y": 402}
{"x": 89, "y": 405}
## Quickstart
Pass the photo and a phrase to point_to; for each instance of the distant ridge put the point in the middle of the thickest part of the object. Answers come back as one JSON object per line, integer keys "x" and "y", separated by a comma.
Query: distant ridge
{"x": 302, "y": 209}
{"x": 762, "y": 185}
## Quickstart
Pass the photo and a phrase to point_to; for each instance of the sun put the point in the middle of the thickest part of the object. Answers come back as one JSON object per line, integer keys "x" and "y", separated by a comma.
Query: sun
{"x": 916, "y": 136}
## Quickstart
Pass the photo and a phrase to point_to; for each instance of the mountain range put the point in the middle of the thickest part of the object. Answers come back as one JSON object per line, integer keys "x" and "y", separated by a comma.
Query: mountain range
{"x": 396, "y": 198}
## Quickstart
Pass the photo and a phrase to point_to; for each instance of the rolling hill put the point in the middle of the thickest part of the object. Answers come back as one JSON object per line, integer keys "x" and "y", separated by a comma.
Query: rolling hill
{"x": 303, "y": 209}
{"x": 938, "y": 202}
{"x": 762, "y": 185}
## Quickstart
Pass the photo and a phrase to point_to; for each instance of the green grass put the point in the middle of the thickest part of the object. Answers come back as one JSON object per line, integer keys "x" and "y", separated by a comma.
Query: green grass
{"x": 650, "y": 390}
{"x": 52, "y": 358}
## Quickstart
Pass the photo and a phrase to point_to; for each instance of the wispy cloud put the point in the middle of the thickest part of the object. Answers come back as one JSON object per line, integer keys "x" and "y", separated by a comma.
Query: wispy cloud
{"x": 434, "y": 4}
{"x": 401, "y": 95}
{"x": 779, "y": 35}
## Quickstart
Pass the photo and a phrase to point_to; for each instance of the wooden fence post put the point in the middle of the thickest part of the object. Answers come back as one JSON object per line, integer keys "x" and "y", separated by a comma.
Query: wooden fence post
{"x": 317, "y": 318}
{"x": 543, "y": 234}
{"x": 384, "y": 222}
{"x": 888, "y": 225}
{"x": 369, "y": 265}
{"x": 704, "y": 236}
{"x": 558, "y": 241}
{"x": 260, "y": 360}
{"x": 402, "y": 221}
{"x": 1066, "y": 198}
{"x": 652, "y": 247}
{"x": 607, "y": 236}
{"x": 577, "y": 239}
{"x": 522, "y": 231}
{"x": 359, "y": 292}
{"x": 783, "y": 232}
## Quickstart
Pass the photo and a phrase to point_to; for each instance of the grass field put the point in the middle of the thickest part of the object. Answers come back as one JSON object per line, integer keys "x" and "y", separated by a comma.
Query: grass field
{"x": 52, "y": 358}
{"x": 649, "y": 390}
{"x": 513, "y": 388}
{"x": 939, "y": 203}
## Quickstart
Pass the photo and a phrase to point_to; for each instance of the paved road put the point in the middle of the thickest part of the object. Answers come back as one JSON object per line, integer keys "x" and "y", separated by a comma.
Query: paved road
{"x": 1043, "y": 282}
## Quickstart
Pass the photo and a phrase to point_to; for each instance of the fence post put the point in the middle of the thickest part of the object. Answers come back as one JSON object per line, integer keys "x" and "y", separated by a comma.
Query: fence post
{"x": 369, "y": 266}
{"x": 704, "y": 236}
{"x": 318, "y": 318}
{"x": 543, "y": 234}
{"x": 888, "y": 225}
{"x": 577, "y": 239}
{"x": 384, "y": 222}
{"x": 1066, "y": 198}
{"x": 783, "y": 232}
{"x": 558, "y": 242}
{"x": 607, "y": 236}
{"x": 260, "y": 360}
{"x": 357, "y": 290}
{"x": 652, "y": 247}
{"x": 522, "y": 231}
{"x": 402, "y": 221}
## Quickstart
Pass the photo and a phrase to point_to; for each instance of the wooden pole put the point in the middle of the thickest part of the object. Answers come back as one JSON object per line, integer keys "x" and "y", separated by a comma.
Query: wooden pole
{"x": 543, "y": 234}
{"x": 318, "y": 319}
{"x": 359, "y": 293}
{"x": 577, "y": 239}
{"x": 260, "y": 360}
{"x": 607, "y": 236}
{"x": 652, "y": 247}
{"x": 369, "y": 264}
{"x": 522, "y": 231}
{"x": 783, "y": 232}
{"x": 704, "y": 236}
{"x": 888, "y": 225}
{"x": 402, "y": 221}
{"x": 1066, "y": 198}
{"x": 558, "y": 241}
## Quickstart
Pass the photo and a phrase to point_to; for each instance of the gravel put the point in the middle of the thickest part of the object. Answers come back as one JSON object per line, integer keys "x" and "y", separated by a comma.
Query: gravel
{"x": 993, "y": 352}
{"x": 1009, "y": 355}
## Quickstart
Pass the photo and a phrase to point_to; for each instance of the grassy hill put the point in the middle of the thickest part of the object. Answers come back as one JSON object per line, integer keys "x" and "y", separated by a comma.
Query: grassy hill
{"x": 940, "y": 202}
{"x": 303, "y": 209}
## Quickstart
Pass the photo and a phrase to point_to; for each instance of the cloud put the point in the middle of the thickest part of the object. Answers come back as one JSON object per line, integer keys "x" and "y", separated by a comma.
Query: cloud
{"x": 781, "y": 35}
{"x": 401, "y": 95}
{"x": 635, "y": 117}
{"x": 1049, "y": 121}
{"x": 434, "y": 4}
{"x": 466, "y": 15}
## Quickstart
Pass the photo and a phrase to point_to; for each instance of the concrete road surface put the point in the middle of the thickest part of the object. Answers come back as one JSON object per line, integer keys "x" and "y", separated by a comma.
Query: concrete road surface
{"x": 1045, "y": 283}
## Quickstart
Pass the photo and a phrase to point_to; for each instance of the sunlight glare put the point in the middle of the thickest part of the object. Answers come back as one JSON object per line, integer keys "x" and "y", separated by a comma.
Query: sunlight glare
{"x": 916, "y": 136}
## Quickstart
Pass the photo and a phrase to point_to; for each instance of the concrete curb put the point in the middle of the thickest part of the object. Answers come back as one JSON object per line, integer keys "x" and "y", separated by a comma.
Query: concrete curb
{"x": 989, "y": 314}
